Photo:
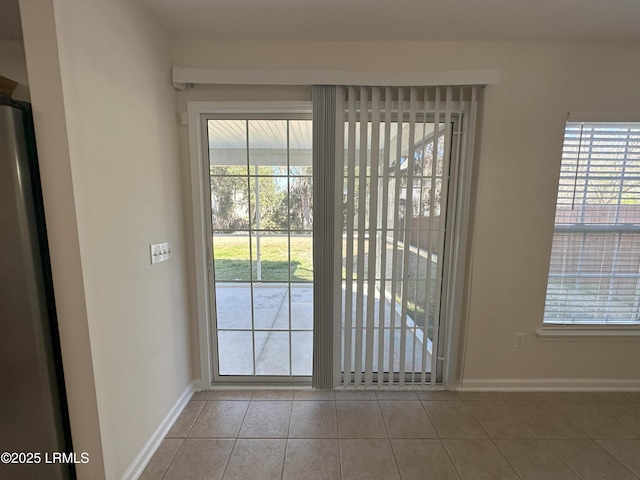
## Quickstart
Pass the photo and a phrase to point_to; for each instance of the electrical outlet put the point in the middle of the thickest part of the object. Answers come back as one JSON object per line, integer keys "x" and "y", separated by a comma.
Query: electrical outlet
{"x": 519, "y": 340}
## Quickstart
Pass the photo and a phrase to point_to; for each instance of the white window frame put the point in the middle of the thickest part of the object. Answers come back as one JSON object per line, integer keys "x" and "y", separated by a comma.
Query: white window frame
{"x": 609, "y": 331}
{"x": 202, "y": 250}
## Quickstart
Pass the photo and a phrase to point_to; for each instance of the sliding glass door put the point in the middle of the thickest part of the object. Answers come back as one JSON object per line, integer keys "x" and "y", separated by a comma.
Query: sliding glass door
{"x": 261, "y": 222}
{"x": 392, "y": 168}
{"x": 401, "y": 177}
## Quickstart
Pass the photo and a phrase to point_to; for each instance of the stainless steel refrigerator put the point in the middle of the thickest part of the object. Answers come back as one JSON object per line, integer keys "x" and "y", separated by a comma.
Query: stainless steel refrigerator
{"x": 33, "y": 409}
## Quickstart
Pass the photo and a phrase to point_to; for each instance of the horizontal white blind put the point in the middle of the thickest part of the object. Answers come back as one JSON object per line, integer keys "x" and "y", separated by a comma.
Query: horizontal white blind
{"x": 594, "y": 275}
{"x": 398, "y": 149}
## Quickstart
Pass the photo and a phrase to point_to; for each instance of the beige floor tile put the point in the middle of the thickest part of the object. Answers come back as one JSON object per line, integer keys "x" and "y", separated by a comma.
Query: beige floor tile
{"x": 406, "y": 420}
{"x": 220, "y": 419}
{"x": 313, "y": 419}
{"x": 453, "y": 420}
{"x": 478, "y": 460}
{"x": 546, "y": 421}
{"x": 585, "y": 396}
{"x": 367, "y": 460}
{"x": 626, "y": 413}
{"x": 360, "y": 420}
{"x": 400, "y": 395}
{"x": 439, "y": 395}
{"x": 256, "y": 459}
{"x": 499, "y": 420}
{"x": 534, "y": 460}
{"x": 627, "y": 452}
{"x": 272, "y": 395}
{"x": 589, "y": 460}
{"x": 312, "y": 459}
{"x": 357, "y": 395}
{"x": 185, "y": 421}
{"x": 161, "y": 460}
{"x": 633, "y": 396}
{"x": 524, "y": 396}
{"x": 607, "y": 397}
{"x": 420, "y": 459}
{"x": 231, "y": 395}
{"x": 481, "y": 396}
{"x": 593, "y": 421}
{"x": 200, "y": 459}
{"x": 267, "y": 419}
{"x": 313, "y": 395}
{"x": 202, "y": 396}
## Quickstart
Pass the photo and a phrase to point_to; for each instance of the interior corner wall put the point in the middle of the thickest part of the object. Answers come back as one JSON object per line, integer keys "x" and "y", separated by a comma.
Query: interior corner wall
{"x": 518, "y": 163}
{"x": 123, "y": 180}
{"x": 14, "y": 67}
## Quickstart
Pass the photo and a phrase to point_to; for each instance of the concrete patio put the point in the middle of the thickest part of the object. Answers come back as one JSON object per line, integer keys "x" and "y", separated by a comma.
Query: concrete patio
{"x": 276, "y": 317}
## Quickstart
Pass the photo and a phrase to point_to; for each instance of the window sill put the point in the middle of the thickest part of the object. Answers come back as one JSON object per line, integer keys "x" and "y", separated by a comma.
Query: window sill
{"x": 585, "y": 332}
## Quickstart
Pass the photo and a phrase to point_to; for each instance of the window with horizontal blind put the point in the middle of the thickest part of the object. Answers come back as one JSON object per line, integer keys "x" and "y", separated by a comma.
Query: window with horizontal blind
{"x": 594, "y": 274}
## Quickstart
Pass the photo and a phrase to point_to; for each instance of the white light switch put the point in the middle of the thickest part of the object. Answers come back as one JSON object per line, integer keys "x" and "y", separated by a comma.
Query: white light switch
{"x": 160, "y": 252}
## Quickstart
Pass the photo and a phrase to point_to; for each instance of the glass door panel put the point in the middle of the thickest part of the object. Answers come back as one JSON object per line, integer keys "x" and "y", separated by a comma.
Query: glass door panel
{"x": 261, "y": 226}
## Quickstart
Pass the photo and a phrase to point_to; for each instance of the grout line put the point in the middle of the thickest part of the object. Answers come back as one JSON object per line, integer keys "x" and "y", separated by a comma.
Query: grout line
{"x": 446, "y": 452}
{"x": 386, "y": 429}
{"x": 290, "y": 419}
{"x": 164, "y": 474}
{"x": 340, "y": 460}
{"x": 235, "y": 440}
{"x": 337, "y": 422}
{"x": 429, "y": 418}
{"x": 611, "y": 455}
{"x": 505, "y": 458}
{"x": 204, "y": 404}
{"x": 284, "y": 458}
{"x": 491, "y": 440}
{"x": 546, "y": 442}
{"x": 226, "y": 465}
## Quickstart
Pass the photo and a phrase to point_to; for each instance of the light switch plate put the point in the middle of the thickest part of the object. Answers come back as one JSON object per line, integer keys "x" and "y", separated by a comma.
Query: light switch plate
{"x": 160, "y": 252}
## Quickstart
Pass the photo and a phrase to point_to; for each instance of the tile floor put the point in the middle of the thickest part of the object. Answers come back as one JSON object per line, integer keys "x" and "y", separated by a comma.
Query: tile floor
{"x": 302, "y": 434}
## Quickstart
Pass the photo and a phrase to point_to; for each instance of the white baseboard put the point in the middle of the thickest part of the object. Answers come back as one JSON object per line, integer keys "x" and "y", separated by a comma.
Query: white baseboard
{"x": 142, "y": 459}
{"x": 550, "y": 384}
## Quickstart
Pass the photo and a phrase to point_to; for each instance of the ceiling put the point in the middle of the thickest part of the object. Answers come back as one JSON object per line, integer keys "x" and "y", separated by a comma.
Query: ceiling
{"x": 384, "y": 20}
{"x": 400, "y": 20}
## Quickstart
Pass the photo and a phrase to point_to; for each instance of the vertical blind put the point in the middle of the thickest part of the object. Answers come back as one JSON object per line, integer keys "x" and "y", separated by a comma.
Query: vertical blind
{"x": 594, "y": 275}
{"x": 397, "y": 172}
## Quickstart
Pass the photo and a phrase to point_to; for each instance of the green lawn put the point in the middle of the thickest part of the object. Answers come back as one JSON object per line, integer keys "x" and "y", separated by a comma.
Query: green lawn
{"x": 231, "y": 258}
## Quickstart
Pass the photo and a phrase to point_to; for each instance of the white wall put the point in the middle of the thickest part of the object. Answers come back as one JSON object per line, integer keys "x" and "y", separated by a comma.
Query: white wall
{"x": 14, "y": 67}
{"x": 116, "y": 166}
{"x": 516, "y": 177}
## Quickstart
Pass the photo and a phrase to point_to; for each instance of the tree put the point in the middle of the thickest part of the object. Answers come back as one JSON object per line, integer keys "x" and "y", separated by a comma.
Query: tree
{"x": 301, "y": 199}
{"x": 229, "y": 199}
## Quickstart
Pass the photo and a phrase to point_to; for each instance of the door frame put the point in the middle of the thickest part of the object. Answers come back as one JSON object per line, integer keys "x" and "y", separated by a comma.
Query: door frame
{"x": 199, "y": 194}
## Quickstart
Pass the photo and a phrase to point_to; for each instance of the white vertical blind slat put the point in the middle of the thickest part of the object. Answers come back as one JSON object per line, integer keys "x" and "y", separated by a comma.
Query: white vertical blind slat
{"x": 396, "y": 232}
{"x": 441, "y": 232}
{"x": 362, "y": 205}
{"x": 373, "y": 223}
{"x": 408, "y": 214}
{"x": 339, "y": 179}
{"x": 349, "y": 220}
{"x": 429, "y": 245}
{"x": 383, "y": 234}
